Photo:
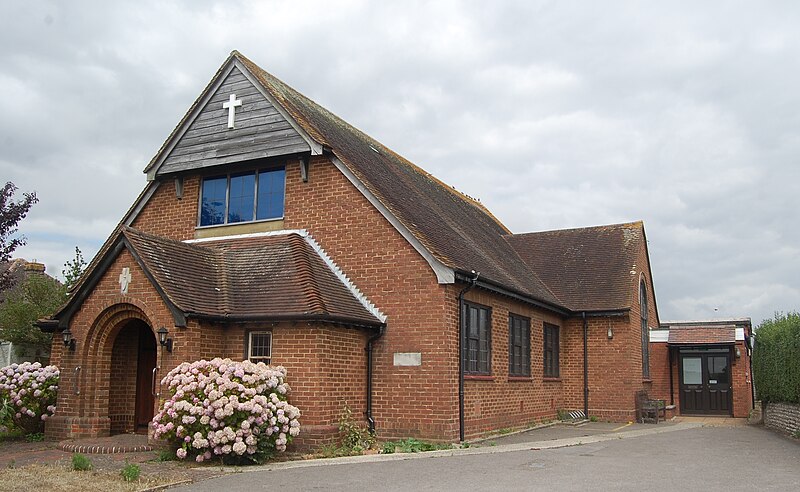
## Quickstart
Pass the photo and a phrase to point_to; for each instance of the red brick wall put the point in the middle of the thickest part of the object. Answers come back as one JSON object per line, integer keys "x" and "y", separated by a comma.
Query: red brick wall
{"x": 499, "y": 401}
{"x": 95, "y": 327}
{"x": 122, "y": 394}
{"x": 326, "y": 364}
{"x": 166, "y": 215}
{"x": 408, "y": 401}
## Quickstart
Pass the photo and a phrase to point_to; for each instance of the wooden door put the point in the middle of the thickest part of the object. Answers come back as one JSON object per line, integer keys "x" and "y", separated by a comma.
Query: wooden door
{"x": 705, "y": 383}
{"x": 146, "y": 364}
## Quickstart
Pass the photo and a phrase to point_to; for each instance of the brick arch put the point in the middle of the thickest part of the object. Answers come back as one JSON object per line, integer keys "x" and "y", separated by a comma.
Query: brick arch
{"x": 97, "y": 351}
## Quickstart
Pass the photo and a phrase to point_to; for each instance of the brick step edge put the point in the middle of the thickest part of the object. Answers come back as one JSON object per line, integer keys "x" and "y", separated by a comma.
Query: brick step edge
{"x": 71, "y": 447}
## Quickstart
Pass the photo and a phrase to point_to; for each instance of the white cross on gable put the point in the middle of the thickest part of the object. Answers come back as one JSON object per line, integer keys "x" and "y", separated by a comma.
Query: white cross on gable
{"x": 231, "y": 106}
{"x": 124, "y": 280}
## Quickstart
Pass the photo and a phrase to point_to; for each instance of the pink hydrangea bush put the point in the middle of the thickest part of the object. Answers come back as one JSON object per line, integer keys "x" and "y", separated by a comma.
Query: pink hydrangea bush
{"x": 235, "y": 410}
{"x": 30, "y": 392}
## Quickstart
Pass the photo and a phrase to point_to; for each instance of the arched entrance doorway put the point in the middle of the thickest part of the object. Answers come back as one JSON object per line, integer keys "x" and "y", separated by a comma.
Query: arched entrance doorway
{"x": 131, "y": 400}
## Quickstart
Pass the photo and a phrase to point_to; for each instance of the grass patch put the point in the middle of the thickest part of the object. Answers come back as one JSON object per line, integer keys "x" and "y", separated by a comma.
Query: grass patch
{"x": 11, "y": 435}
{"x": 166, "y": 455}
{"x": 593, "y": 418}
{"x": 130, "y": 472}
{"x": 52, "y": 477}
{"x": 412, "y": 445}
{"x": 81, "y": 462}
{"x": 504, "y": 431}
{"x": 334, "y": 451}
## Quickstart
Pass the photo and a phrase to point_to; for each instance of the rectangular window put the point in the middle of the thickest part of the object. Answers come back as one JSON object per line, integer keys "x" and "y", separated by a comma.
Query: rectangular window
{"x": 270, "y": 194}
{"x": 212, "y": 203}
{"x": 551, "y": 369}
{"x": 240, "y": 201}
{"x": 477, "y": 346}
{"x": 259, "y": 346}
{"x": 242, "y": 197}
{"x": 519, "y": 346}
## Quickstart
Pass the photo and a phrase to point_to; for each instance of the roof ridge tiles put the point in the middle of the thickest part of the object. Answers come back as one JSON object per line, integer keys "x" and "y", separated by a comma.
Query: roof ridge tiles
{"x": 636, "y": 223}
{"x": 337, "y": 271}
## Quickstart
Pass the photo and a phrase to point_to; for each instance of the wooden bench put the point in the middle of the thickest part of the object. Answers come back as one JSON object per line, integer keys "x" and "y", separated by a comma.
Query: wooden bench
{"x": 648, "y": 409}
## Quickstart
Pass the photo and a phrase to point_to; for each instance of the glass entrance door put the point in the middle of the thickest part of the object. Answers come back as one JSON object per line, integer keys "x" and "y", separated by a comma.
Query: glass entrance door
{"x": 705, "y": 383}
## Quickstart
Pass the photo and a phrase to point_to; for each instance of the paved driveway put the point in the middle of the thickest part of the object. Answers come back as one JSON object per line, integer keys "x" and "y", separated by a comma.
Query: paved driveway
{"x": 677, "y": 458}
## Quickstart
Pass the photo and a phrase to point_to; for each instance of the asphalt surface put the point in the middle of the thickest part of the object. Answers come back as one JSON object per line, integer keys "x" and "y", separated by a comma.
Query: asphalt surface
{"x": 658, "y": 458}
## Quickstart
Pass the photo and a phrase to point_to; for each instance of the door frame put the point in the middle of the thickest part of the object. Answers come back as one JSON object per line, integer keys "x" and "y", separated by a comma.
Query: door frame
{"x": 145, "y": 400}
{"x": 704, "y": 352}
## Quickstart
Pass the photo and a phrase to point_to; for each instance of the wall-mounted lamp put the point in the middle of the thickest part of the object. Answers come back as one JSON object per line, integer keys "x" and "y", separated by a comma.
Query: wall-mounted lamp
{"x": 610, "y": 333}
{"x": 163, "y": 340}
{"x": 738, "y": 352}
{"x": 69, "y": 342}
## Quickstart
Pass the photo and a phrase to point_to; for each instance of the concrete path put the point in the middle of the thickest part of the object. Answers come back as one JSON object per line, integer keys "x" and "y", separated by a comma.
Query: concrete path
{"x": 680, "y": 456}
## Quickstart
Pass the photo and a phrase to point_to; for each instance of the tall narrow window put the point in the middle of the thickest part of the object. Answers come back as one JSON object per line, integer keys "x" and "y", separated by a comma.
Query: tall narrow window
{"x": 519, "y": 346}
{"x": 551, "y": 342}
{"x": 645, "y": 331}
{"x": 270, "y": 194}
{"x": 242, "y": 195}
{"x": 212, "y": 204}
{"x": 477, "y": 348}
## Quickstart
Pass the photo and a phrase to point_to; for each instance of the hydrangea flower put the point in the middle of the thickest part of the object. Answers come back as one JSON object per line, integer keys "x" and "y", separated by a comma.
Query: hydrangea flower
{"x": 223, "y": 407}
{"x": 32, "y": 389}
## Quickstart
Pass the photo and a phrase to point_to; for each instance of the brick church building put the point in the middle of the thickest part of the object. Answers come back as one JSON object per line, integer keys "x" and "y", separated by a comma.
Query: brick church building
{"x": 271, "y": 229}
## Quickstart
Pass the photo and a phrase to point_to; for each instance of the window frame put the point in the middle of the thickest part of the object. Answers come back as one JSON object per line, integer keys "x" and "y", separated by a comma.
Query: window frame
{"x": 522, "y": 367}
{"x": 644, "y": 314}
{"x": 482, "y": 366}
{"x": 249, "y": 347}
{"x": 228, "y": 176}
{"x": 551, "y": 335}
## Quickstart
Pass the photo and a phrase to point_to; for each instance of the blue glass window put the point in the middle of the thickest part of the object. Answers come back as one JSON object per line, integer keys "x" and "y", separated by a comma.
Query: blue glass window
{"x": 212, "y": 207}
{"x": 271, "y": 186}
{"x": 242, "y": 195}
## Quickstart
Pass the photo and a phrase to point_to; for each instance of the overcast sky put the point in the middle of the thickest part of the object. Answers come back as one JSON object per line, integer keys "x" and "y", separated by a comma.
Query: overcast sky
{"x": 553, "y": 114}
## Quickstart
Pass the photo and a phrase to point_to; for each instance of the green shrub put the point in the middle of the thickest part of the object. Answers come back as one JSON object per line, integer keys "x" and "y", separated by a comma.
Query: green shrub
{"x": 776, "y": 359}
{"x": 81, "y": 462}
{"x": 130, "y": 472}
{"x": 166, "y": 455}
{"x": 355, "y": 437}
{"x": 34, "y": 437}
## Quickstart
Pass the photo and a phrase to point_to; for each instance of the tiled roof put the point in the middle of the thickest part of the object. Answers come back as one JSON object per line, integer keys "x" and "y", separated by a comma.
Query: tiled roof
{"x": 456, "y": 230}
{"x": 268, "y": 277}
{"x": 702, "y": 335}
{"x": 589, "y": 269}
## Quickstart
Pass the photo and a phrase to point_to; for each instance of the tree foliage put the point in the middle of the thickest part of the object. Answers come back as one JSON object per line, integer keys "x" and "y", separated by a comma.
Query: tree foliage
{"x": 36, "y": 297}
{"x": 11, "y": 212}
{"x": 776, "y": 359}
{"x": 73, "y": 269}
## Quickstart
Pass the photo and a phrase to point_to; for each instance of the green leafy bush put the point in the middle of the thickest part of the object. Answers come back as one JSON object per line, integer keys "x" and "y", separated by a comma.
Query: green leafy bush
{"x": 776, "y": 359}
{"x": 355, "y": 437}
{"x": 81, "y": 462}
{"x": 130, "y": 472}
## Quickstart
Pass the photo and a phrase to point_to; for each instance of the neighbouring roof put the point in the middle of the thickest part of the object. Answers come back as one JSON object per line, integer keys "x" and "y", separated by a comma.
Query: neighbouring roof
{"x": 591, "y": 268}
{"x": 19, "y": 269}
{"x": 270, "y": 277}
{"x": 702, "y": 335}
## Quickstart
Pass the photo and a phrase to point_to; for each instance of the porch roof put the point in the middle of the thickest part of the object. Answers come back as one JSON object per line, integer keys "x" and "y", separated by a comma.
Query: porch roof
{"x": 276, "y": 277}
{"x": 702, "y": 335}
